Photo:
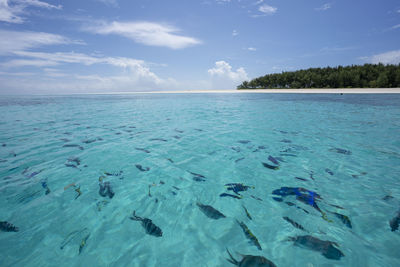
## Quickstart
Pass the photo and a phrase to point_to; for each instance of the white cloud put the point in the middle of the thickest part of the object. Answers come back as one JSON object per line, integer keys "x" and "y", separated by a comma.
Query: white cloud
{"x": 395, "y": 27}
{"x": 58, "y": 58}
{"x": 10, "y": 10}
{"x": 136, "y": 76}
{"x": 252, "y": 49}
{"x": 112, "y": 3}
{"x": 324, "y": 7}
{"x": 223, "y": 77}
{"x": 11, "y": 41}
{"x": 390, "y": 57}
{"x": 267, "y": 9}
{"x": 259, "y": 2}
{"x": 148, "y": 33}
{"x": 235, "y": 33}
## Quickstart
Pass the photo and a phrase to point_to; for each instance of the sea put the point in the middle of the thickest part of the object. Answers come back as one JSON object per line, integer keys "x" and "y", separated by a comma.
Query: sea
{"x": 186, "y": 179}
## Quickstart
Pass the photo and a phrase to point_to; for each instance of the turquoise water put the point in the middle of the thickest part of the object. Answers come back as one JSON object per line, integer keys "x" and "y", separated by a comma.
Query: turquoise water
{"x": 185, "y": 149}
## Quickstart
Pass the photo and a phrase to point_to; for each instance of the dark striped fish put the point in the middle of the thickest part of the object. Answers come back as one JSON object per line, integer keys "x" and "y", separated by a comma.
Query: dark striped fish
{"x": 249, "y": 235}
{"x": 326, "y": 248}
{"x": 229, "y": 195}
{"x": 295, "y": 224}
{"x": 345, "y": 220}
{"x": 8, "y": 227}
{"x": 266, "y": 165}
{"x": 247, "y": 213}
{"x": 394, "y": 223}
{"x": 74, "y": 237}
{"x": 210, "y": 212}
{"x": 148, "y": 225}
{"x": 73, "y": 145}
{"x": 250, "y": 261}
{"x": 273, "y": 160}
{"x": 83, "y": 243}
{"x": 141, "y": 168}
{"x": 142, "y": 149}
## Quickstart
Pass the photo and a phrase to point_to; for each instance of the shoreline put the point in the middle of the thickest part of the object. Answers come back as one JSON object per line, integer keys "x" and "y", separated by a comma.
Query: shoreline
{"x": 274, "y": 91}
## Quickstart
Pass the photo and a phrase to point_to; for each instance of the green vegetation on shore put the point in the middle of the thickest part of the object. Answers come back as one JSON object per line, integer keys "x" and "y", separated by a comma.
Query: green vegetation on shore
{"x": 366, "y": 76}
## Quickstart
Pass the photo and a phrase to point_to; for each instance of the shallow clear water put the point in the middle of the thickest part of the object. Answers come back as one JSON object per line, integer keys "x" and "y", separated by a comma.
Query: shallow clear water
{"x": 346, "y": 148}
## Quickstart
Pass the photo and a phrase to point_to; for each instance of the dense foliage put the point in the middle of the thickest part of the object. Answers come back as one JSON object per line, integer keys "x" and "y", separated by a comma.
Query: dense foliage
{"x": 366, "y": 76}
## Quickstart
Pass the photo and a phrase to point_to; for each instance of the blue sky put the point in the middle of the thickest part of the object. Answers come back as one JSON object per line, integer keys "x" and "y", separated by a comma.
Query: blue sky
{"x": 61, "y": 47}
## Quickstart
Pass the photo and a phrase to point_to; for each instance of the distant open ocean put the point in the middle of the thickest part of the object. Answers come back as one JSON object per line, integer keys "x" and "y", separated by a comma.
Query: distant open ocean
{"x": 302, "y": 180}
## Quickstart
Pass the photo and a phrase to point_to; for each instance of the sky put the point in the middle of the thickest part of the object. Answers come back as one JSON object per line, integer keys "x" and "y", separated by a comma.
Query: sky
{"x": 106, "y": 46}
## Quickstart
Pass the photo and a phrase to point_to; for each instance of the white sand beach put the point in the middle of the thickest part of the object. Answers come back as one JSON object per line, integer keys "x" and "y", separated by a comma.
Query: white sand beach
{"x": 289, "y": 91}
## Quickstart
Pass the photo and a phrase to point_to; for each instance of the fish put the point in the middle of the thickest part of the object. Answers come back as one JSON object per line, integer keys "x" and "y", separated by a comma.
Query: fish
{"x": 253, "y": 239}
{"x": 101, "y": 204}
{"x": 158, "y": 139}
{"x": 148, "y": 225}
{"x": 142, "y": 149}
{"x": 106, "y": 190}
{"x": 343, "y": 218}
{"x": 387, "y": 197}
{"x": 170, "y": 160}
{"x": 229, "y": 195}
{"x": 78, "y": 190}
{"x": 149, "y": 193}
{"x": 266, "y": 165}
{"x": 340, "y": 151}
{"x": 394, "y": 223}
{"x": 238, "y": 187}
{"x": 329, "y": 171}
{"x": 291, "y": 204}
{"x": 199, "y": 130}
{"x": 287, "y": 141}
{"x": 257, "y": 198}
{"x": 73, "y": 145}
{"x": 176, "y": 137}
{"x": 251, "y": 261}
{"x": 196, "y": 174}
{"x": 247, "y": 213}
{"x": 76, "y": 160}
{"x": 8, "y": 227}
{"x": 236, "y": 161}
{"x": 71, "y": 165}
{"x": 295, "y": 224}
{"x": 244, "y": 141}
{"x": 273, "y": 160}
{"x": 74, "y": 236}
{"x": 198, "y": 179}
{"x": 356, "y": 175}
{"x": 89, "y": 141}
{"x": 141, "y": 168}
{"x": 235, "y": 148}
{"x": 210, "y": 212}
{"x": 301, "y": 179}
{"x": 114, "y": 173}
{"x": 45, "y": 186}
{"x": 176, "y": 188}
{"x": 65, "y": 139}
{"x": 288, "y": 155}
{"x": 327, "y": 248}
{"x": 178, "y": 131}
{"x": 83, "y": 243}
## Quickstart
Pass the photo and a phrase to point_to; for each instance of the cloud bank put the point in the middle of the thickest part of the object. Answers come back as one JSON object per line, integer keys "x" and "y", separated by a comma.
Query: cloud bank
{"x": 11, "y": 10}
{"x": 223, "y": 77}
{"x": 147, "y": 33}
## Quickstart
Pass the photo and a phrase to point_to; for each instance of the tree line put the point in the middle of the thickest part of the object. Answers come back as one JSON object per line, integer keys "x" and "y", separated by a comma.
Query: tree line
{"x": 355, "y": 76}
